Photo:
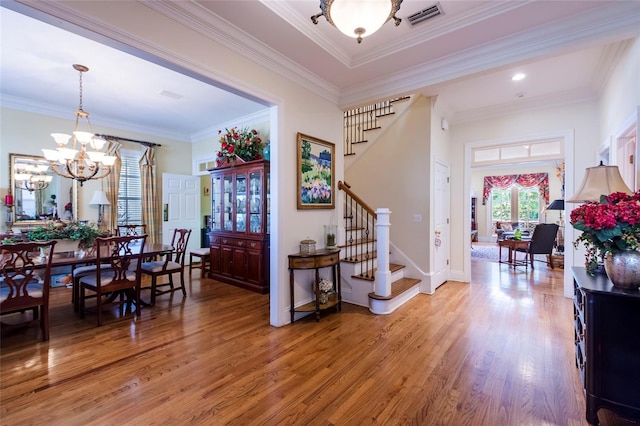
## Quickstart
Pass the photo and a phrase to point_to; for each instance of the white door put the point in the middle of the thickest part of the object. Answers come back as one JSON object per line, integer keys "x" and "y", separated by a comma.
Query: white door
{"x": 181, "y": 207}
{"x": 441, "y": 229}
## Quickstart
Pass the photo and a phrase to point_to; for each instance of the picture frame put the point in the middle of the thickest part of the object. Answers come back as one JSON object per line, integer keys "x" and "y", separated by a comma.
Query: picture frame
{"x": 315, "y": 173}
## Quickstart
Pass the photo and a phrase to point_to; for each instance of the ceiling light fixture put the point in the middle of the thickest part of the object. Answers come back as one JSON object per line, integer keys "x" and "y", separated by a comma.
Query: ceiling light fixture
{"x": 358, "y": 18}
{"x": 81, "y": 165}
{"x": 519, "y": 76}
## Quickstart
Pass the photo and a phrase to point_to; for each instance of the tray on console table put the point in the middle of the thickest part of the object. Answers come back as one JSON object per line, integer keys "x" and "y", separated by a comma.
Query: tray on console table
{"x": 607, "y": 348}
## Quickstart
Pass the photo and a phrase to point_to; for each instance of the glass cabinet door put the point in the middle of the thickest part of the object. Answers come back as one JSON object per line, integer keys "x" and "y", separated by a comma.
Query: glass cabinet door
{"x": 216, "y": 203}
{"x": 268, "y": 202}
{"x": 255, "y": 202}
{"x": 227, "y": 220}
{"x": 241, "y": 203}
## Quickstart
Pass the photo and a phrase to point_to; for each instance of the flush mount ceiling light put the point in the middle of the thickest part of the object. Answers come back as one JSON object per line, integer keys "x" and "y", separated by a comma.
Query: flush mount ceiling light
{"x": 519, "y": 76}
{"x": 80, "y": 165}
{"x": 358, "y": 18}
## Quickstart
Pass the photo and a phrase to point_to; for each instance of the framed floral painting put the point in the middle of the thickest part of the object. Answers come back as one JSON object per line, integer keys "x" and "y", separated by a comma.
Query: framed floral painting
{"x": 316, "y": 172}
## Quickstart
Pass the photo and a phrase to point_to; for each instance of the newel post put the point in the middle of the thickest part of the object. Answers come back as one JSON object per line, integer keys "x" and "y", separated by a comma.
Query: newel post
{"x": 383, "y": 274}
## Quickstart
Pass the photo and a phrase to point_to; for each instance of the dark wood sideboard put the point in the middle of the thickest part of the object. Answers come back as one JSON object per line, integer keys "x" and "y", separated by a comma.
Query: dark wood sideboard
{"x": 607, "y": 345}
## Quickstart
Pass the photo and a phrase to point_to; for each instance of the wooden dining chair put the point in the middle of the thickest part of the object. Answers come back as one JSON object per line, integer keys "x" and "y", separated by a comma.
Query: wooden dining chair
{"x": 171, "y": 264}
{"x": 128, "y": 230}
{"x": 25, "y": 280}
{"x": 117, "y": 277}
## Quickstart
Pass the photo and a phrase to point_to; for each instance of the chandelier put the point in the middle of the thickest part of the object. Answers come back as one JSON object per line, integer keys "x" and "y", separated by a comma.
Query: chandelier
{"x": 358, "y": 18}
{"x": 79, "y": 164}
{"x": 31, "y": 176}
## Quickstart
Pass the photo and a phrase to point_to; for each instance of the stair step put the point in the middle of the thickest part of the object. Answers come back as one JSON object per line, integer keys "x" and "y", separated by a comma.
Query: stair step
{"x": 357, "y": 142}
{"x": 372, "y": 255}
{"x": 373, "y": 128}
{"x": 371, "y": 274}
{"x": 358, "y": 242}
{"x": 397, "y": 287}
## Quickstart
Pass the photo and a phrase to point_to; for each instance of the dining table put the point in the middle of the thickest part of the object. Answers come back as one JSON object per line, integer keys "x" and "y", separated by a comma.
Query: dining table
{"x": 88, "y": 258}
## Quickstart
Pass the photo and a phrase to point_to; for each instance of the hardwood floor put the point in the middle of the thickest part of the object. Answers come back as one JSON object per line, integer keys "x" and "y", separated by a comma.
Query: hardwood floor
{"x": 498, "y": 351}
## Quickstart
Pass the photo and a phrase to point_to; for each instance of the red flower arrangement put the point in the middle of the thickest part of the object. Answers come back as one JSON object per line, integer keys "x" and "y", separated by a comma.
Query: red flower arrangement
{"x": 243, "y": 143}
{"x": 611, "y": 225}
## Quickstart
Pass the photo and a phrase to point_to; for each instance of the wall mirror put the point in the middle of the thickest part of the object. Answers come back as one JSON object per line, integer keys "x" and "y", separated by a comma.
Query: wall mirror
{"x": 39, "y": 195}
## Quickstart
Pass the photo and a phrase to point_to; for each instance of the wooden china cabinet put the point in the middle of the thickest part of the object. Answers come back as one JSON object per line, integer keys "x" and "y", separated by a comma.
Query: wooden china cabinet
{"x": 240, "y": 220}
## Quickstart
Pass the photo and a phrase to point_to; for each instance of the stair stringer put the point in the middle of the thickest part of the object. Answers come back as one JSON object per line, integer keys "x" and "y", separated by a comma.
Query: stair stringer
{"x": 373, "y": 135}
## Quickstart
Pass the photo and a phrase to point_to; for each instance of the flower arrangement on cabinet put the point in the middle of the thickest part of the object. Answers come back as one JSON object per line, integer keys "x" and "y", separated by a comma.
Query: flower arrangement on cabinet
{"x": 611, "y": 225}
{"x": 243, "y": 143}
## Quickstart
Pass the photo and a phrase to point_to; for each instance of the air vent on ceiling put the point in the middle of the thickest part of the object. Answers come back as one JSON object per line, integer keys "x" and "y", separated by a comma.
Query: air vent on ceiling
{"x": 423, "y": 15}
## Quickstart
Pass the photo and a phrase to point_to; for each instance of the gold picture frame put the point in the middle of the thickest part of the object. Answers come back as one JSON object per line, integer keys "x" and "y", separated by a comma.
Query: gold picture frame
{"x": 315, "y": 173}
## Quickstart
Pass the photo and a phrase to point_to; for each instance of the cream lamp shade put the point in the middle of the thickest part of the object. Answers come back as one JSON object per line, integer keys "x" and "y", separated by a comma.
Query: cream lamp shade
{"x": 99, "y": 198}
{"x": 599, "y": 180}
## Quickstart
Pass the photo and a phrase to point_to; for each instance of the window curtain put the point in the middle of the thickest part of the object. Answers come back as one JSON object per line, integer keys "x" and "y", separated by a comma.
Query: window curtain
{"x": 111, "y": 184}
{"x": 150, "y": 197}
{"x": 524, "y": 180}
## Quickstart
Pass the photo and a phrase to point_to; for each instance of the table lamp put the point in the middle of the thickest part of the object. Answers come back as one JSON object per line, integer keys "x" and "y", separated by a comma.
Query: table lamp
{"x": 599, "y": 180}
{"x": 100, "y": 199}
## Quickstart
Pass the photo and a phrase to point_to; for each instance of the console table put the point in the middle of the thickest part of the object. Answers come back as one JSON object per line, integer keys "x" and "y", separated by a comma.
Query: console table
{"x": 606, "y": 322}
{"x": 316, "y": 260}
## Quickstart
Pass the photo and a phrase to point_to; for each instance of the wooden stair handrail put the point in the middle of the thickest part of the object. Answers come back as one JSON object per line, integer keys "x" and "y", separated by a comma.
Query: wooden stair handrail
{"x": 347, "y": 188}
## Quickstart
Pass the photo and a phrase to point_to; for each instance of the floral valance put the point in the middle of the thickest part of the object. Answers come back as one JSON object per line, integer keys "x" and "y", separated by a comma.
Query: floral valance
{"x": 526, "y": 180}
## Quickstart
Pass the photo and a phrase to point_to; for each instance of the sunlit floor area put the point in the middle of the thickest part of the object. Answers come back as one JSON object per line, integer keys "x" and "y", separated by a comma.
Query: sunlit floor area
{"x": 497, "y": 351}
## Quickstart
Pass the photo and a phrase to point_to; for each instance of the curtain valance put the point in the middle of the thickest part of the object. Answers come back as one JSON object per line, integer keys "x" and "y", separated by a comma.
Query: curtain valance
{"x": 526, "y": 180}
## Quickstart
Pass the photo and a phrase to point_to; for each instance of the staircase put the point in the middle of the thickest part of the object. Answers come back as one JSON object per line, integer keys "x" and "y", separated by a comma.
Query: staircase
{"x": 359, "y": 121}
{"x": 368, "y": 277}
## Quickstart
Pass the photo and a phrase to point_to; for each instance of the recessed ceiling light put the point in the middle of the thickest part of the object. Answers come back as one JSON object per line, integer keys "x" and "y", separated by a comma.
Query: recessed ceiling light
{"x": 517, "y": 77}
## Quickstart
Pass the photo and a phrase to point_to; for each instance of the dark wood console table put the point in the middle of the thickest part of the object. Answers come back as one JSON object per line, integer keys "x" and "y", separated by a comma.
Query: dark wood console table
{"x": 607, "y": 346}
{"x": 316, "y": 260}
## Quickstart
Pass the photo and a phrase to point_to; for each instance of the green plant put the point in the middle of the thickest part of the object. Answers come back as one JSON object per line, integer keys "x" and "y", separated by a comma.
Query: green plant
{"x": 85, "y": 234}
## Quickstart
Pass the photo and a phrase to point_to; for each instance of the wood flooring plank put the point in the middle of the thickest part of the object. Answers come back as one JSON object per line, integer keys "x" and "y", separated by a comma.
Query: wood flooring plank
{"x": 497, "y": 351}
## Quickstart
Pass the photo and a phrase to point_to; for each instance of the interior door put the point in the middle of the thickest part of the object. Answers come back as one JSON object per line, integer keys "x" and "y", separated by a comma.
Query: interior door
{"x": 181, "y": 207}
{"x": 441, "y": 229}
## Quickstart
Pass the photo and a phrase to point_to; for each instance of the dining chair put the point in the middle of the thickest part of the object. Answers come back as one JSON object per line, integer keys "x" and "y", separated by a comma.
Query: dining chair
{"x": 25, "y": 280}
{"x": 117, "y": 277}
{"x": 542, "y": 242}
{"x": 171, "y": 264}
{"x": 127, "y": 230}
{"x": 203, "y": 254}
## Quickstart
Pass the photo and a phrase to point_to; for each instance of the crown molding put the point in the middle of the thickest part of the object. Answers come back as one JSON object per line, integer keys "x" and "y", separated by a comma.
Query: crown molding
{"x": 247, "y": 120}
{"x": 610, "y": 22}
{"x": 198, "y": 19}
{"x": 525, "y": 105}
{"x": 206, "y": 23}
{"x": 609, "y": 59}
{"x": 55, "y": 111}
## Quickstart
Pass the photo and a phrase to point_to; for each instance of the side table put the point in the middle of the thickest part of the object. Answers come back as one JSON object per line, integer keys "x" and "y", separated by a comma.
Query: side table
{"x": 316, "y": 260}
